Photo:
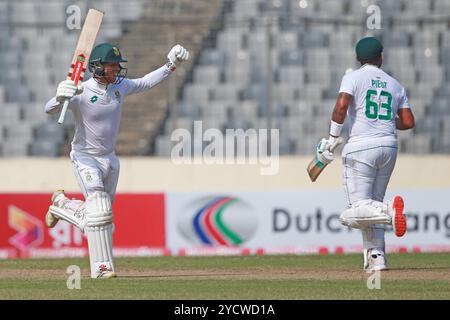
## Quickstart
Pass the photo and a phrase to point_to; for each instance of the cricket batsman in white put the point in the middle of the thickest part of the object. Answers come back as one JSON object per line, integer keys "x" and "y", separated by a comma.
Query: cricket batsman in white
{"x": 377, "y": 106}
{"x": 97, "y": 106}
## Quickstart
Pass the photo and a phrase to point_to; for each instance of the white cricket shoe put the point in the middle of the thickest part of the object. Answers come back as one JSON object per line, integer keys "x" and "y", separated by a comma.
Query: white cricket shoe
{"x": 57, "y": 198}
{"x": 105, "y": 273}
{"x": 374, "y": 260}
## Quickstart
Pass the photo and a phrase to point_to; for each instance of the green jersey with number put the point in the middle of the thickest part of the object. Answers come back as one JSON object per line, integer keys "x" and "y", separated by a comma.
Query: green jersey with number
{"x": 376, "y": 99}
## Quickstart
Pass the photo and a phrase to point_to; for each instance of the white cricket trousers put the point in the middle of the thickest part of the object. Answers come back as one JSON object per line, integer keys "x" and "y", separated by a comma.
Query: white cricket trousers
{"x": 96, "y": 173}
{"x": 367, "y": 171}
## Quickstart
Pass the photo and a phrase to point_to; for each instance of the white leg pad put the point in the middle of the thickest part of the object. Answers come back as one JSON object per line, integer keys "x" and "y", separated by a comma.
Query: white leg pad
{"x": 100, "y": 250}
{"x": 365, "y": 213}
{"x": 99, "y": 229}
{"x": 72, "y": 211}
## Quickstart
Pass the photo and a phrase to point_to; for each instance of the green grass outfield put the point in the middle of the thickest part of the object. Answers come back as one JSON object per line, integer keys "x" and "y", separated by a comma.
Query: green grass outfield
{"x": 411, "y": 276}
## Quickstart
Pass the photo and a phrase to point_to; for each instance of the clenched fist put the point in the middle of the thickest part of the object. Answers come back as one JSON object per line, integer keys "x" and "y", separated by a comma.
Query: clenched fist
{"x": 177, "y": 54}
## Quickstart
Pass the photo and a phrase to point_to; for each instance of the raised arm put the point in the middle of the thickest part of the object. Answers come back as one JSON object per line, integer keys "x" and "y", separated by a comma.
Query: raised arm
{"x": 176, "y": 55}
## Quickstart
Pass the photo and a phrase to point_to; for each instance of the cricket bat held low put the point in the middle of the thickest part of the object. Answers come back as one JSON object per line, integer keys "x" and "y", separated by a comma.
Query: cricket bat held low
{"x": 315, "y": 167}
{"x": 83, "y": 51}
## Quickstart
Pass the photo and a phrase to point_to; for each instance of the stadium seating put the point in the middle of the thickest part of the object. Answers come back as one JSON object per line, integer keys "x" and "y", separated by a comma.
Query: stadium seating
{"x": 251, "y": 59}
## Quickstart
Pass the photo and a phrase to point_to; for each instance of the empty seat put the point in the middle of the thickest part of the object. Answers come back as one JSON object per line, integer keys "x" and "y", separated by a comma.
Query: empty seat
{"x": 317, "y": 58}
{"x": 288, "y": 58}
{"x": 207, "y": 74}
{"x": 216, "y": 109}
{"x": 302, "y": 8}
{"x": 34, "y": 113}
{"x": 43, "y": 148}
{"x": 399, "y": 56}
{"x": 432, "y": 75}
{"x": 425, "y": 56}
{"x": 229, "y": 41}
{"x": 196, "y": 94}
{"x": 286, "y": 92}
{"x": 246, "y": 110}
{"x": 10, "y": 113}
{"x": 417, "y": 7}
{"x": 440, "y": 107}
{"x": 287, "y": 41}
{"x": 314, "y": 40}
{"x": 225, "y": 92}
{"x": 292, "y": 75}
{"x": 320, "y": 75}
{"x": 15, "y": 148}
{"x": 188, "y": 109}
{"x": 50, "y": 131}
{"x": 237, "y": 76}
{"x": 442, "y": 7}
{"x": 212, "y": 57}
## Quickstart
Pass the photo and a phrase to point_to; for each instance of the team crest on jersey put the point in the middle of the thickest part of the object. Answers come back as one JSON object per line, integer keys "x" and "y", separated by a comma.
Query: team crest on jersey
{"x": 117, "y": 94}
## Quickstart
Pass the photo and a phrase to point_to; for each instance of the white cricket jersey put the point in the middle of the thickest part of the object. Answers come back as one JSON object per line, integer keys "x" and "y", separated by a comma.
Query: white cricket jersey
{"x": 376, "y": 99}
{"x": 98, "y": 110}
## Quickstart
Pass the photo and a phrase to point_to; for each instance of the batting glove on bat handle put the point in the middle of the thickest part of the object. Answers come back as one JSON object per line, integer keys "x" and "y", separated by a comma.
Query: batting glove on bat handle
{"x": 323, "y": 152}
{"x": 67, "y": 89}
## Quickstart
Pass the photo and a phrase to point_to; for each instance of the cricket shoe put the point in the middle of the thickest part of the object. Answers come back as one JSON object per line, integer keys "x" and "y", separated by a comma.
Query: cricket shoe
{"x": 396, "y": 206}
{"x": 57, "y": 198}
{"x": 105, "y": 273}
{"x": 374, "y": 260}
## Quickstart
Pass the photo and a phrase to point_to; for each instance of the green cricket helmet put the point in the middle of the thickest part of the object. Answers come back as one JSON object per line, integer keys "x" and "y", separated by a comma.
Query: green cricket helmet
{"x": 368, "y": 48}
{"x": 106, "y": 53}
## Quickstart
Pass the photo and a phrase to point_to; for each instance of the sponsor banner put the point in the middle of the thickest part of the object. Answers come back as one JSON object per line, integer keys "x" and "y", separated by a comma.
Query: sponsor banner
{"x": 138, "y": 220}
{"x": 298, "y": 222}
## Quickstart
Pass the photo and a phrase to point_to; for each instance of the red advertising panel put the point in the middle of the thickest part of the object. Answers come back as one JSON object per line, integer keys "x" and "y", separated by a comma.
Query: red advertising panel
{"x": 138, "y": 220}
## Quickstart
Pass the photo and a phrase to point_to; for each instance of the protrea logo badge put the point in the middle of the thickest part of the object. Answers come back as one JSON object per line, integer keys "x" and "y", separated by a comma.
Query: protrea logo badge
{"x": 218, "y": 221}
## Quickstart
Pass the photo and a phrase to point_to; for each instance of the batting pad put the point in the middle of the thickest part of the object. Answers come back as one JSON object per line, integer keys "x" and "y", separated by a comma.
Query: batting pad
{"x": 71, "y": 211}
{"x": 100, "y": 249}
{"x": 364, "y": 216}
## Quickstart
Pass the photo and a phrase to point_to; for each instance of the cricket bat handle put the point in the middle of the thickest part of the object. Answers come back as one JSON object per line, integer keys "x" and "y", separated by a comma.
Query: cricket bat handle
{"x": 63, "y": 111}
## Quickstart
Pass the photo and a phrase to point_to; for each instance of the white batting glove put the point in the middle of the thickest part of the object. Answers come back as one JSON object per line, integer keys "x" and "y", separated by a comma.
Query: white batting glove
{"x": 323, "y": 152}
{"x": 67, "y": 89}
{"x": 178, "y": 54}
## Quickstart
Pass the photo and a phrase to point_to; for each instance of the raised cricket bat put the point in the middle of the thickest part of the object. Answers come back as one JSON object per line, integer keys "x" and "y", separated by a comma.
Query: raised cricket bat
{"x": 315, "y": 167}
{"x": 83, "y": 51}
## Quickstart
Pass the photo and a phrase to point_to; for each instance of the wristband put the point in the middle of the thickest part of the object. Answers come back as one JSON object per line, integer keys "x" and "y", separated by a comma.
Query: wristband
{"x": 335, "y": 128}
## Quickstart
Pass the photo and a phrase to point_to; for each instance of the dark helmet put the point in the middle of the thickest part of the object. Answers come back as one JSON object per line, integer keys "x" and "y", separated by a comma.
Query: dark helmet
{"x": 106, "y": 53}
{"x": 368, "y": 48}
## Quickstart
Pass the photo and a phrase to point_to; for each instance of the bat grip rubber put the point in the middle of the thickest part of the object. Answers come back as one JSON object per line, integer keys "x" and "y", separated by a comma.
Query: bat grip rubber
{"x": 63, "y": 111}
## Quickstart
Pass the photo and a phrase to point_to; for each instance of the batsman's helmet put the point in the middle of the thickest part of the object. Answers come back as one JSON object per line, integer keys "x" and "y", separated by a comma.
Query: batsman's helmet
{"x": 106, "y": 53}
{"x": 368, "y": 48}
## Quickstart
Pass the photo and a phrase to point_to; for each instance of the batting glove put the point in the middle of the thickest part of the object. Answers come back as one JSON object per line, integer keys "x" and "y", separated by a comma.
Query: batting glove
{"x": 323, "y": 152}
{"x": 67, "y": 89}
{"x": 177, "y": 54}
